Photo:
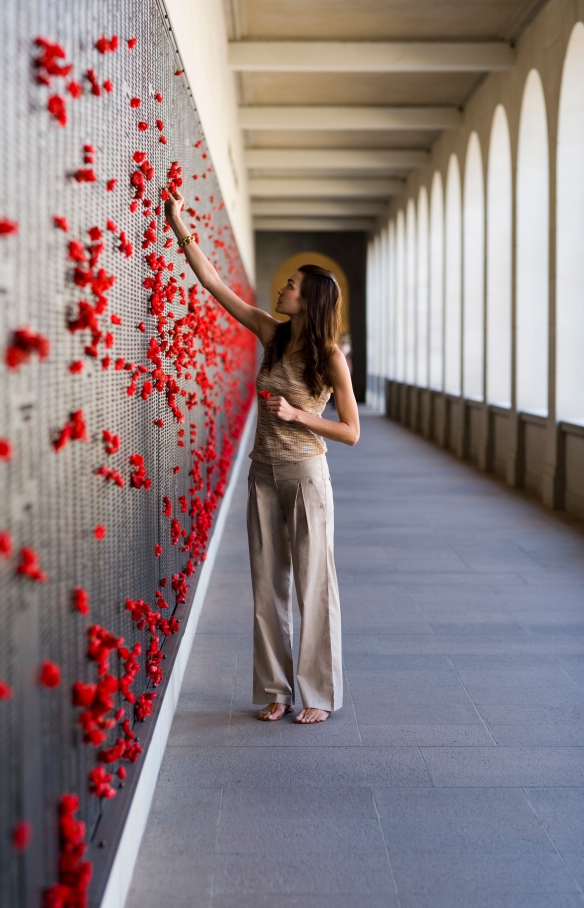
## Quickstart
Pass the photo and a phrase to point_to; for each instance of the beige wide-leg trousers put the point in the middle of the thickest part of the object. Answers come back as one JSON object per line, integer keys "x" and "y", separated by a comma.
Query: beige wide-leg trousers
{"x": 290, "y": 531}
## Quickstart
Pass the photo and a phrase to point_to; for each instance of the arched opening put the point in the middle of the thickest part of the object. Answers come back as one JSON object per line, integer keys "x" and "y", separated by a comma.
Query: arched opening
{"x": 400, "y": 302}
{"x": 532, "y": 250}
{"x": 436, "y": 283}
{"x": 390, "y": 327}
{"x": 453, "y": 295}
{"x": 570, "y": 235}
{"x": 410, "y": 318}
{"x": 423, "y": 289}
{"x": 473, "y": 271}
{"x": 291, "y": 264}
{"x": 499, "y": 212}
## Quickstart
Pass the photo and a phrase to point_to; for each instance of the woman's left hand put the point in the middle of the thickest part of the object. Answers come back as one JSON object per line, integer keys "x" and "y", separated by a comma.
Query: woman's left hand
{"x": 279, "y": 406}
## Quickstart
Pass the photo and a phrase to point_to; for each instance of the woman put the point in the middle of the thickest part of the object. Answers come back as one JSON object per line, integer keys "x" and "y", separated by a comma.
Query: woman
{"x": 290, "y": 502}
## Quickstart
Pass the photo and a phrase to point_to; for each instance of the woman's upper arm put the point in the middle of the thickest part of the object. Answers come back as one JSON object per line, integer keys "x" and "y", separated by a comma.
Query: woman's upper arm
{"x": 261, "y": 323}
{"x": 343, "y": 390}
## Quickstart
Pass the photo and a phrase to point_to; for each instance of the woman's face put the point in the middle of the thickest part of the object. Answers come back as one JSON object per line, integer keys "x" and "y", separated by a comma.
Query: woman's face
{"x": 289, "y": 299}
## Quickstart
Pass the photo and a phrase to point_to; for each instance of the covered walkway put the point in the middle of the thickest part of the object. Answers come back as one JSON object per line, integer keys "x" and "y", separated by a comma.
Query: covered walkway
{"x": 452, "y": 777}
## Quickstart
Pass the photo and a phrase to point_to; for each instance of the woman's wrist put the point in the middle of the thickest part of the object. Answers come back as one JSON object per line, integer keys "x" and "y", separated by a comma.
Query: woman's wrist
{"x": 178, "y": 227}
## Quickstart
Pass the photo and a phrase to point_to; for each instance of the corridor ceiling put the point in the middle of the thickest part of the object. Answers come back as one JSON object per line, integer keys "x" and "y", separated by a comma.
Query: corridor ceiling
{"x": 340, "y": 99}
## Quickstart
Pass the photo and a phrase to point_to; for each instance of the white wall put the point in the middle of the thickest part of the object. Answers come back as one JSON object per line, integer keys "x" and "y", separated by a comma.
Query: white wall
{"x": 201, "y": 34}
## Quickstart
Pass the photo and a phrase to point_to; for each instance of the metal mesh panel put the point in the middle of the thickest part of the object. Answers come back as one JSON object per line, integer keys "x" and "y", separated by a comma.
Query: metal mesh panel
{"x": 52, "y": 500}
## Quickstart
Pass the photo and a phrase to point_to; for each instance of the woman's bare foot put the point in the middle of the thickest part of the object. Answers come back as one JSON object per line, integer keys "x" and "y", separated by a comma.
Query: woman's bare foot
{"x": 274, "y": 711}
{"x": 309, "y": 715}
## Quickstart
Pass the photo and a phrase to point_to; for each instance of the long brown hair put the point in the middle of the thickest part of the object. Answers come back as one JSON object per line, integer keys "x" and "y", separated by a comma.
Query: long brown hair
{"x": 322, "y": 297}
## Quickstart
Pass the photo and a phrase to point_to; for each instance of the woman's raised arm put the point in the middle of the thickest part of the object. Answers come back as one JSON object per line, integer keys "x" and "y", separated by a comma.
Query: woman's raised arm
{"x": 258, "y": 321}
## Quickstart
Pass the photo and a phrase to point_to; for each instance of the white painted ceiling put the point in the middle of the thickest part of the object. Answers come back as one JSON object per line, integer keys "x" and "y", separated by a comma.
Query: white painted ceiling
{"x": 339, "y": 99}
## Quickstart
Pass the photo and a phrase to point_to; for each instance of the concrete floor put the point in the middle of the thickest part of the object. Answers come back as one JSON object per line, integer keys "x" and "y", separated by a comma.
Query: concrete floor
{"x": 452, "y": 777}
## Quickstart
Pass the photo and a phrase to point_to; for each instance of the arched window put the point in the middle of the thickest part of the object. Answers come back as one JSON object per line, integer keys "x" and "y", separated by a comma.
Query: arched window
{"x": 473, "y": 271}
{"x": 570, "y": 235}
{"x": 499, "y": 262}
{"x": 390, "y": 328}
{"x": 452, "y": 307}
{"x": 410, "y": 318}
{"x": 423, "y": 289}
{"x": 532, "y": 250}
{"x": 436, "y": 283}
{"x": 400, "y": 301}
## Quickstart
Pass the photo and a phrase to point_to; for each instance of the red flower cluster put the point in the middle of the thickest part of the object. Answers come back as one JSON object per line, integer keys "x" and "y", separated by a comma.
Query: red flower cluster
{"x": 49, "y": 674}
{"x": 21, "y": 836}
{"x": 81, "y": 600}
{"x": 145, "y": 705}
{"x": 5, "y": 544}
{"x": 112, "y": 442}
{"x": 138, "y": 477}
{"x": 6, "y": 450}
{"x": 25, "y": 342}
{"x": 111, "y": 475}
{"x": 104, "y": 44}
{"x": 74, "y": 872}
{"x": 29, "y": 565}
{"x": 74, "y": 430}
{"x": 7, "y": 227}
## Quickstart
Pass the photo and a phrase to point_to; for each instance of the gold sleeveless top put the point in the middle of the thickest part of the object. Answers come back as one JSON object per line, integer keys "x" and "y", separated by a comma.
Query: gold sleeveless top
{"x": 277, "y": 441}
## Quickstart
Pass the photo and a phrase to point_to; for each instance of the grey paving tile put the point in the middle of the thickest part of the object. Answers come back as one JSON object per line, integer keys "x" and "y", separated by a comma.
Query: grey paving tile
{"x": 387, "y": 900}
{"x": 319, "y": 766}
{"x": 375, "y": 662}
{"x": 428, "y": 735}
{"x": 505, "y": 766}
{"x": 491, "y": 900}
{"x": 546, "y": 686}
{"x": 298, "y": 802}
{"x": 460, "y": 821}
{"x": 345, "y": 874}
{"x": 561, "y": 810}
{"x": 285, "y": 836}
{"x": 575, "y": 864}
{"x": 508, "y": 874}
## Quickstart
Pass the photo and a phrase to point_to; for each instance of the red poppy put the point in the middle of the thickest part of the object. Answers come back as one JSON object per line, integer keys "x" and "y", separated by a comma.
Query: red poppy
{"x": 110, "y": 185}
{"x": 108, "y": 85}
{"x": 99, "y": 531}
{"x": 49, "y": 674}
{"x": 5, "y": 544}
{"x": 5, "y": 690}
{"x": 179, "y": 72}
{"x": 7, "y": 227}
{"x": 158, "y": 97}
{"x": 77, "y": 366}
{"x": 25, "y": 342}
{"x": 104, "y": 44}
{"x": 6, "y": 450}
{"x": 158, "y": 550}
{"x": 61, "y": 222}
{"x": 85, "y": 175}
{"x": 81, "y": 600}
{"x": 142, "y": 126}
{"x": 21, "y": 836}
{"x": 58, "y": 109}
{"x": 135, "y": 102}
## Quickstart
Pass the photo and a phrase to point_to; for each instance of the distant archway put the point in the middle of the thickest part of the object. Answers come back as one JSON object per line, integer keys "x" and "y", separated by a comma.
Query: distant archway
{"x": 473, "y": 271}
{"x": 499, "y": 215}
{"x": 532, "y": 250}
{"x": 453, "y": 295}
{"x": 423, "y": 289}
{"x": 410, "y": 326}
{"x": 436, "y": 283}
{"x": 570, "y": 234}
{"x": 292, "y": 263}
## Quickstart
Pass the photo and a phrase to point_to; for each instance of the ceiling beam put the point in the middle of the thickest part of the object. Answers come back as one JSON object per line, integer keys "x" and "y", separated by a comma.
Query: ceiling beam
{"x": 307, "y": 224}
{"x": 370, "y": 56}
{"x": 361, "y": 118}
{"x": 318, "y": 208}
{"x": 352, "y": 187}
{"x": 379, "y": 159}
